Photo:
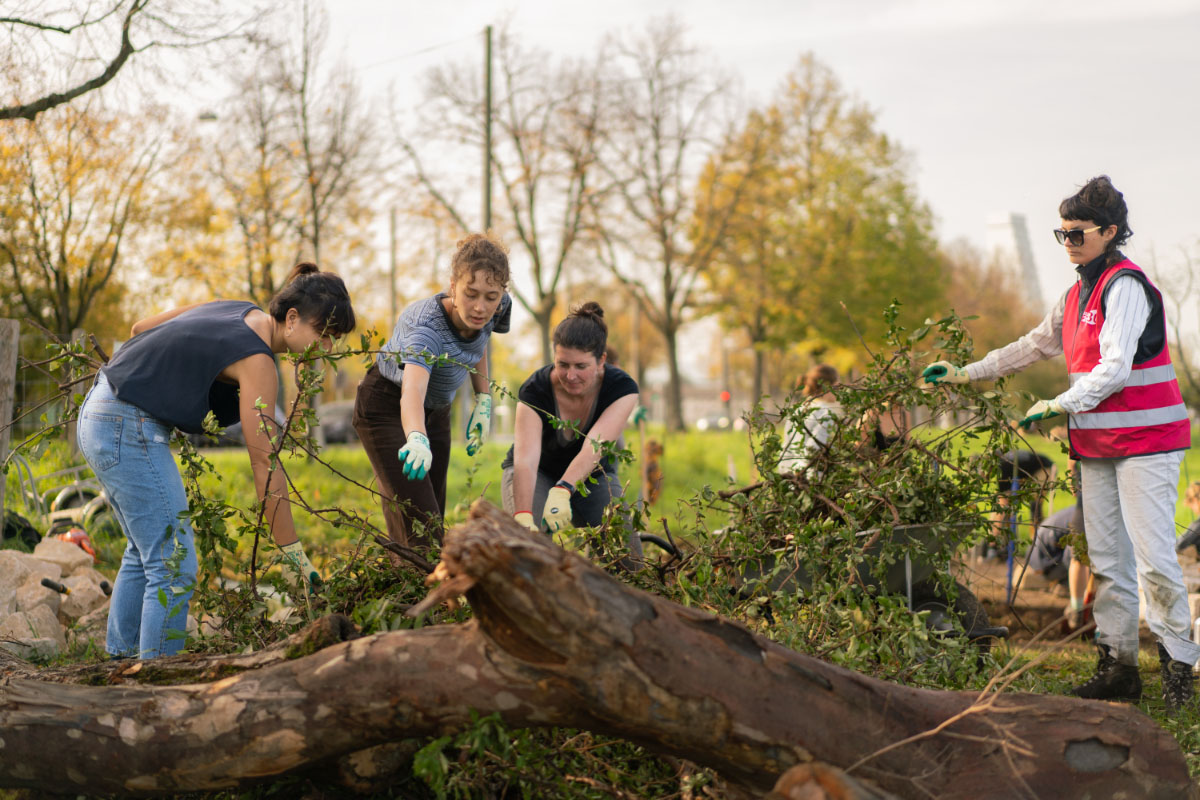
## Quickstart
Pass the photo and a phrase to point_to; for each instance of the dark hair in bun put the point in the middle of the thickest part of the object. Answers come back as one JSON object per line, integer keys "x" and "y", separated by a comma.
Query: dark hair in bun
{"x": 320, "y": 298}
{"x": 1100, "y": 202}
{"x": 584, "y": 329}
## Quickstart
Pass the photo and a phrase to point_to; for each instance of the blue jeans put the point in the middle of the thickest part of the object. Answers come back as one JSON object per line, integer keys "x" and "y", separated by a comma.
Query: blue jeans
{"x": 130, "y": 453}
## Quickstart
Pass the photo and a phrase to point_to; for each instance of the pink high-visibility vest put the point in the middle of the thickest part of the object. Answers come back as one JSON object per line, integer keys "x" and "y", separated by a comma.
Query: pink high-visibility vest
{"x": 1147, "y": 414}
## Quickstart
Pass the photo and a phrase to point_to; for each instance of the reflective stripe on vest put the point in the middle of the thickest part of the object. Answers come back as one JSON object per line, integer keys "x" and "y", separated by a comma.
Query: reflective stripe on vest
{"x": 1130, "y": 419}
{"x": 1140, "y": 377}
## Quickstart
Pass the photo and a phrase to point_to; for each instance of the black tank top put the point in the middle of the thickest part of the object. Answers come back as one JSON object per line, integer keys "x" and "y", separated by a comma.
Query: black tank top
{"x": 170, "y": 371}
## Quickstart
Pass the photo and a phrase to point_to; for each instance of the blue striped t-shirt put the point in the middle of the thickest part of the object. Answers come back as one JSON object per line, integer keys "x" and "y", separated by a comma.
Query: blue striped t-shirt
{"x": 425, "y": 336}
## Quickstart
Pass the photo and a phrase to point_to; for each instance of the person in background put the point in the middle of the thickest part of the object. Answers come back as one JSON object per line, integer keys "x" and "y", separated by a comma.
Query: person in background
{"x": 1029, "y": 468}
{"x": 402, "y": 408}
{"x": 550, "y": 461}
{"x": 883, "y": 428}
{"x": 1055, "y": 560}
{"x": 816, "y": 422}
{"x": 1191, "y": 537}
{"x": 177, "y": 367}
{"x": 1128, "y": 424}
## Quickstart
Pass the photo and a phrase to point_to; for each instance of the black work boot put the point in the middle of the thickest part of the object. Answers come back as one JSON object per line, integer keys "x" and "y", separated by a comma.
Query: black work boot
{"x": 1177, "y": 681}
{"x": 1112, "y": 681}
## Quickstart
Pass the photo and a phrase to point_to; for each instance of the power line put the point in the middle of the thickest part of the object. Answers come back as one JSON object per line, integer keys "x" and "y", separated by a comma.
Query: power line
{"x": 422, "y": 51}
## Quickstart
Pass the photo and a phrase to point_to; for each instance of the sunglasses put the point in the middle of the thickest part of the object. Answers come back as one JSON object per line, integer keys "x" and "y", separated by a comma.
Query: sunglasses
{"x": 1075, "y": 237}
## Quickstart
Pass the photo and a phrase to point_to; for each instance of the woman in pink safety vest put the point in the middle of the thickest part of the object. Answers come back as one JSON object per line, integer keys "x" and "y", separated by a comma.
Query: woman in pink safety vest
{"x": 1129, "y": 428}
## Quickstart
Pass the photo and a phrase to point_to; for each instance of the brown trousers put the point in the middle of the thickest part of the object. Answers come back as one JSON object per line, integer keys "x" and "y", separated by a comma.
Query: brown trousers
{"x": 413, "y": 510}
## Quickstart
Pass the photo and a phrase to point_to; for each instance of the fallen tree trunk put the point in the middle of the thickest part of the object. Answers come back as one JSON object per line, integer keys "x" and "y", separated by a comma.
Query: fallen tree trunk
{"x": 556, "y": 642}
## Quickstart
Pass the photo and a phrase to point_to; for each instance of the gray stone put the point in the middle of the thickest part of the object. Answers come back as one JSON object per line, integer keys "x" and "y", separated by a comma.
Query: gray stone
{"x": 8, "y": 600}
{"x": 36, "y": 566}
{"x": 85, "y": 596}
{"x": 43, "y": 648}
{"x": 37, "y": 623}
{"x": 69, "y": 557}
{"x": 13, "y": 572}
{"x": 32, "y": 594}
{"x": 91, "y": 628}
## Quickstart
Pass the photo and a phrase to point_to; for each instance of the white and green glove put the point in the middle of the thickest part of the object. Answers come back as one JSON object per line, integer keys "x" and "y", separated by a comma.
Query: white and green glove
{"x": 943, "y": 372}
{"x": 638, "y": 415}
{"x": 479, "y": 423}
{"x": 295, "y": 560}
{"x": 1042, "y": 409}
{"x": 416, "y": 456}
{"x": 526, "y": 518}
{"x": 557, "y": 513}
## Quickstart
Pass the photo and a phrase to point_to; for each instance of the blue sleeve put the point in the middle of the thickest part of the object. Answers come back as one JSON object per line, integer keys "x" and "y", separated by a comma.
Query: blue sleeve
{"x": 420, "y": 347}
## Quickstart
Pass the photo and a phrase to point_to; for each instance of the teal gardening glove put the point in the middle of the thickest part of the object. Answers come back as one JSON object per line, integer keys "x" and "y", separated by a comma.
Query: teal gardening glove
{"x": 416, "y": 456}
{"x": 296, "y": 562}
{"x": 1042, "y": 409}
{"x": 943, "y": 372}
{"x": 557, "y": 514}
{"x": 479, "y": 423}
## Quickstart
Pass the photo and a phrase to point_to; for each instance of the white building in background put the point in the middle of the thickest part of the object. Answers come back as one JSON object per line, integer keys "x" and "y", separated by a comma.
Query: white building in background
{"x": 1008, "y": 242}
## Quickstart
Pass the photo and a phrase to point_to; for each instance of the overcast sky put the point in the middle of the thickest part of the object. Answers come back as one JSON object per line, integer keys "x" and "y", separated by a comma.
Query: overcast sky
{"x": 1005, "y": 106}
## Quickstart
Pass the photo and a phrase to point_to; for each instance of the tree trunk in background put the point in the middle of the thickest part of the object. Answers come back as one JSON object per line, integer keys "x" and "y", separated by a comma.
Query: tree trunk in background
{"x": 674, "y": 383}
{"x": 557, "y": 642}
{"x": 10, "y": 344}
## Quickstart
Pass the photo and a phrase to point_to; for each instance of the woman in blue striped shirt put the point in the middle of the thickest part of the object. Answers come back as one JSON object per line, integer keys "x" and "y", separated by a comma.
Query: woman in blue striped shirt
{"x": 402, "y": 409}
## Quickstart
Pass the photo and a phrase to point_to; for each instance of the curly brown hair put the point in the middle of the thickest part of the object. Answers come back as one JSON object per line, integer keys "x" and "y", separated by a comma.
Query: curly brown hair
{"x": 480, "y": 251}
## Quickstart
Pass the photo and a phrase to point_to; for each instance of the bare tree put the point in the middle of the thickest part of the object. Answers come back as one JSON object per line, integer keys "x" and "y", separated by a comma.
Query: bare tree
{"x": 330, "y": 122}
{"x": 1179, "y": 293}
{"x": 667, "y": 124}
{"x": 82, "y": 46}
{"x": 548, "y": 120}
{"x": 286, "y": 166}
{"x": 72, "y": 192}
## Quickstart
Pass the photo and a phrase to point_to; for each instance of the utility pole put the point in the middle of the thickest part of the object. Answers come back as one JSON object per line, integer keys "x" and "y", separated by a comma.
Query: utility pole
{"x": 487, "y": 127}
{"x": 487, "y": 158}
{"x": 392, "y": 263}
{"x": 486, "y": 208}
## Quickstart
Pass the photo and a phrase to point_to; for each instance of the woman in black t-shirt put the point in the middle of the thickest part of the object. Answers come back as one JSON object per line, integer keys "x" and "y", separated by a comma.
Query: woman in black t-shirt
{"x": 548, "y": 460}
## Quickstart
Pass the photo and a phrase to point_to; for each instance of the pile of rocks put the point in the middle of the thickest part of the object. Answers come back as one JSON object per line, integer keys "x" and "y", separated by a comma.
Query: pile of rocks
{"x": 38, "y": 622}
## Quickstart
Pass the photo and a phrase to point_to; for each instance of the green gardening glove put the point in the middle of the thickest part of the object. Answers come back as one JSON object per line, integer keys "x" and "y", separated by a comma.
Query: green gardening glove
{"x": 638, "y": 415}
{"x": 943, "y": 372}
{"x": 1042, "y": 409}
{"x": 479, "y": 423}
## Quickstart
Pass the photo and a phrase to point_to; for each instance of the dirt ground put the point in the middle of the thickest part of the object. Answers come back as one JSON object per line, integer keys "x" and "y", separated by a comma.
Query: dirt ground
{"x": 1036, "y": 602}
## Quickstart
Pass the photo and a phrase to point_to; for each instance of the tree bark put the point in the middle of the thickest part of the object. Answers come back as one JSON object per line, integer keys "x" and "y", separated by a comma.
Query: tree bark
{"x": 557, "y": 642}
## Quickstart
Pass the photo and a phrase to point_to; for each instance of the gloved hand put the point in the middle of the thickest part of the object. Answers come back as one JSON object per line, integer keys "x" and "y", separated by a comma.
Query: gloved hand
{"x": 557, "y": 513}
{"x": 295, "y": 561}
{"x": 479, "y": 423}
{"x": 526, "y": 518}
{"x": 638, "y": 415}
{"x": 943, "y": 372}
{"x": 1042, "y": 409}
{"x": 416, "y": 456}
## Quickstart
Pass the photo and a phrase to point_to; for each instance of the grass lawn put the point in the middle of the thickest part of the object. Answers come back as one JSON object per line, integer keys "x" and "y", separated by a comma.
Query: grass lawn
{"x": 691, "y": 460}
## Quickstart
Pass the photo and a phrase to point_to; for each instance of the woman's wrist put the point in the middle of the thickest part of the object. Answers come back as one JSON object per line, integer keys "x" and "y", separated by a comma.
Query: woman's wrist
{"x": 565, "y": 484}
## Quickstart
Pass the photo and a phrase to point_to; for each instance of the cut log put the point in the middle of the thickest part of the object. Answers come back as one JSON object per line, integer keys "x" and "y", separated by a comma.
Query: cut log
{"x": 557, "y": 642}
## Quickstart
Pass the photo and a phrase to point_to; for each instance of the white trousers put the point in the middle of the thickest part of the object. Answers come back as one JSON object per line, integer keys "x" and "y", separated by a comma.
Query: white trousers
{"x": 1129, "y": 516}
